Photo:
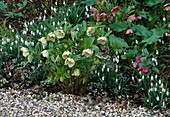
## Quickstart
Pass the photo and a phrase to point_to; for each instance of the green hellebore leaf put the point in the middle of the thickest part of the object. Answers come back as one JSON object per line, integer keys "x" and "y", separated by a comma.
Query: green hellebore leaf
{"x": 67, "y": 75}
{"x": 155, "y": 69}
{"x": 118, "y": 26}
{"x": 117, "y": 42}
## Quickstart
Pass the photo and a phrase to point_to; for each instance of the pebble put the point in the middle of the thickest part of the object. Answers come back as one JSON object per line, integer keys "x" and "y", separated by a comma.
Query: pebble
{"x": 14, "y": 103}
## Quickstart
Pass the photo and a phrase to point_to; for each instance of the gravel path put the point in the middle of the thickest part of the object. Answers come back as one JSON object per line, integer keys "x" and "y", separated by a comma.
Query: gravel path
{"x": 16, "y": 103}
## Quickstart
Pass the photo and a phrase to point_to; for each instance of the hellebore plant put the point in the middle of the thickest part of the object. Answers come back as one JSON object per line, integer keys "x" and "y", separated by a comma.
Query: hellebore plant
{"x": 69, "y": 55}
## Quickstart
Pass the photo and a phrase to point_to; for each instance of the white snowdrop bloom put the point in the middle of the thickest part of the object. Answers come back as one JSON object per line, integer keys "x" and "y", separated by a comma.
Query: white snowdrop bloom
{"x": 116, "y": 52}
{"x": 45, "y": 11}
{"x": 87, "y": 15}
{"x": 159, "y": 40}
{"x": 63, "y": 12}
{"x": 44, "y": 28}
{"x": 116, "y": 70}
{"x": 156, "y": 76}
{"x": 147, "y": 100}
{"x": 108, "y": 29}
{"x": 41, "y": 26}
{"x": 163, "y": 90}
{"x": 164, "y": 19}
{"x": 104, "y": 65}
{"x": 53, "y": 23}
{"x": 4, "y": 42}
{"x": 162, "y": 85}
{"x": 33, "y": 34}
{"x": 87, "y": 8}
{"x": 151, "y": 84}
{"x": 51, "y": 17}
{"x": 10, "y": 74}
{"x": 119, "y": 87}
{"x": 56, "y": 3}
{"x": 95, "y": 71}
{"x": 155, "y": 89}
{"x": 43, "y": 47}
{"x": 166, "y": 34}
{"x": 156, "y": 63}
{"x": 114, "y": 59}
{"x": 37, "y": 31}
{"x": 102, "y": 70}
{"x": 143, "y": 77}
{"x": 140, "y": 80}
{"x": 91, "y": 7}
{"x": 12, "y": 43}
{"x": 22, "y": 40}
{"x": 151, "y": 77}
{"x": 98, "y": 74}
{"x": 159, "y": 81}
{"x": 31, "y": 23}
{"x": 8, "y": 40}
{"x": 117, "y": 60}
{"x": 13, "y": 30}
{"x": 26, "y": 29}
{"x": 17, "y": 36}
{"x": 156, "y": 84}
{"x": 116, "y": 80}
{"x": 140, "y": 72}
{"x": 136, "y": 41}
{"x": 107, "y": 69}
{"x": 74, "y": 3}
{"x": 16, "y": 41}
{"x": 157, "y": 98}
{"x": 162, "y": 42}
{"x": 54, "y": 10}
{"x": 103, "y": 78}
{"x": 151, "y": 89}
{"x": 58, "y": 23}
{"x": 66, "y": 14}
{"x": 32, "y": 43}
{"x": 24, "y": 32}
{"x": 61, "y": 27}
{"x": 9, "y": 26}
{"x": 167, "y": 93}
{"x": 65, "y": 22}
{"x": 64, "y": 3}
{"x": 163, "y": 104}
{"x": 40, "y": 33}
{"x": 77, "y": 29}
{"x": 124, "y": 53}
{"x": 132, "y": 77}
{"x": 26, "y": 43}
{"x": 65, "y": 19}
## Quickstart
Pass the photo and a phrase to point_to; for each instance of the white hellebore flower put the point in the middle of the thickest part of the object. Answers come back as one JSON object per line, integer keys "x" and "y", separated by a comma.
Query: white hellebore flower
{"x": 102, "y": 40}
{"x": 43, "y": 41}
{"x": 51, "y": 36}
{"x": 76, "y": 72}
{"x": 25, "y": 51}
{"x": 90, "y": 30}
{"x": 66, "y": 54}
{"x": 87, "y": 52}
{"x": 60, "y": 34}
{"x": 45, "y": 53}
{"x": 70, "y": 62}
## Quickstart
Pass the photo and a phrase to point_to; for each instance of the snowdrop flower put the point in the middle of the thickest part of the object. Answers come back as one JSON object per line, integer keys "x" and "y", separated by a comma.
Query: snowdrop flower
{"x": 90, "y": 31}
{"x": 116, "y": 80}
{"x": 44, "y": 28}
{"x": 8, "y": 40}
{"x": 167, "y": 93}
{"x": 151, "y": 77}
{"x": 60, "y": 34}
{"x": 87, "y": 52}
{"x": 151, "y": 84}
{"x": 43, "y": 41}
{"x": 53, "y": 23}
{"x": 164, "y": 19}
{"x": 156, "y": 76}
{"x": 54, "y": 9}
{"x": 51, "y": 36}
{"x": 9, "y": 26}
{"x": 17, "y": 36}
{"x": 155, "y": 89}
{"x": 116, "y": 52}
{"x": 56, "y": 3}
{"x": 45, "y": 53}
{"x": 143, "y": 77}
{"x": 4, "y": 42}
{"x": 102, "y": 40}
{"x": 76, "y": 72}
{"x": 41, "y": 26}
{"x": 37, "y": 31}
{"x": 66, "y": 54}
{"x": 116, "y": 70}
{"x": 107, "y": 69}
{"x": 32, "y": 43}
{"x": 70, "y": 62}
{"x": 45, "y": 11}
{"x": 136, "y": 41}
{"x": 132, "y": 77}
{"x": 157, "y": 98}
{"x": 114, "y": 59}
{"x": 98, "y": 74}
{"x": 119, "y": 87}
{"x": 13, "y": 30}
{"x": 103, "y": 78}
{"x": 25, "y": 51}
{"x": 40, "y": 33}
{"x": 159, "y": 81}
{"x": 163, "y": 90}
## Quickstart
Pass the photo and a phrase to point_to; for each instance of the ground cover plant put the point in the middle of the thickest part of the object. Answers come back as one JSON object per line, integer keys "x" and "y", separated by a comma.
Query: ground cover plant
{"x": 124, "y": 46}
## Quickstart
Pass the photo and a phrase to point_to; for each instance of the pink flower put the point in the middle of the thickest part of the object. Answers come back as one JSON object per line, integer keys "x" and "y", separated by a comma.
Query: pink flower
{"x": 129, "y": 32}
{"x": 111, "y": 16}
{"x": 167, "y": 8}
{"x": 115, "y": 10}
{"x": 94, "y": 15}
{"x": 139, "y": 68}
{"x": 138, "y": 17}
{"x": 79, "y": 56}
{"x": 99, "y": 1}
{"x": 145, "y": 71}
{"x": 138, "y": 57}
{"x": 103, "y": 16}
{"x": 95, "y": 10}
{"x": 131, "y": 18}
{"x": 106, "y": 49}
{"x": 169, "y": 35}
{"x": 138, "y": 61}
